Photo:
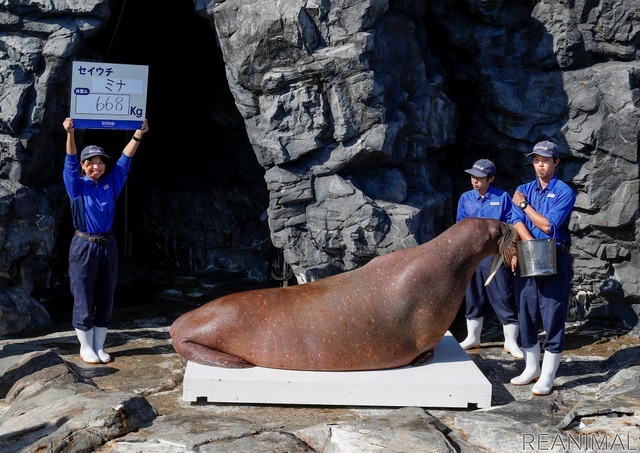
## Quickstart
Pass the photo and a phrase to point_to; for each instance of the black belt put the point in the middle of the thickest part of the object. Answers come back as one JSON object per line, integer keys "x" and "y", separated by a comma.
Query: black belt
{"x": 95, "y": 238}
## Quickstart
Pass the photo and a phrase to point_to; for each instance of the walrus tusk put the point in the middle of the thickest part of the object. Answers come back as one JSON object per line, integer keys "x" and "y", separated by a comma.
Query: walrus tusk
{"x": 495, "y": 265}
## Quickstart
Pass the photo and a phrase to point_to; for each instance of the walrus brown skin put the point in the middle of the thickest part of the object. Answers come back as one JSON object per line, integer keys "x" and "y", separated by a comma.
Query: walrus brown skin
{"x": 389, "y": 313}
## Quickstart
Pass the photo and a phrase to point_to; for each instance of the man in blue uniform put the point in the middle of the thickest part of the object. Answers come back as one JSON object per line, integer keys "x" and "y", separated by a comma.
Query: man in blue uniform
{"x": 486, "y": 201}
{"x": 543, "y": 211}
{"x": 93, "y": 254}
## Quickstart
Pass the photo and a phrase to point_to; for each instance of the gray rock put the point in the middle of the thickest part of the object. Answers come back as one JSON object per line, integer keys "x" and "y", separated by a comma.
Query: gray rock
{"x": 388, "y": 101}
{"x": 20, "y": 313}
{"x": 50, "y": 399}
{"x": 50, "y": 408}
{"x": 409, "y": 429}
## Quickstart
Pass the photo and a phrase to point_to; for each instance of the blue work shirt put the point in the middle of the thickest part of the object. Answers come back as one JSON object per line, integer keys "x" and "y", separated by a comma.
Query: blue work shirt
{"x": 555, "y": 202}
{"x": 496, "y": 204}
{"x": 93, "y": 204}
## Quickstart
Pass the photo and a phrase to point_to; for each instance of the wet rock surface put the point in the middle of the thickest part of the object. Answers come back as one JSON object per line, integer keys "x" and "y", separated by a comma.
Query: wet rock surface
{"x": 52, "y": 401}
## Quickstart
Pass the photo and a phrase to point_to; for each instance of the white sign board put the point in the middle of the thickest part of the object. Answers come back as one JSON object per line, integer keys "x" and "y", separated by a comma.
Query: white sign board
{"x": 108, "y": 95}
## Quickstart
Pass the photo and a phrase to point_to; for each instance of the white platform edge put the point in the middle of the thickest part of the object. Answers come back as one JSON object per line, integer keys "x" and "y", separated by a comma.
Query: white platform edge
{"x": 451, "y": 379}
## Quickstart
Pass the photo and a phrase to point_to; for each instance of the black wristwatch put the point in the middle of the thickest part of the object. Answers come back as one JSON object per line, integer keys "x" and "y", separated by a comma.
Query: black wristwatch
{"x": 523, "y": 205}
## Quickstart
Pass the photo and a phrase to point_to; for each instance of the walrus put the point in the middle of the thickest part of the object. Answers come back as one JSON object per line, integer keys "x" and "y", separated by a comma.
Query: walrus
{"x": 390, "y": 313}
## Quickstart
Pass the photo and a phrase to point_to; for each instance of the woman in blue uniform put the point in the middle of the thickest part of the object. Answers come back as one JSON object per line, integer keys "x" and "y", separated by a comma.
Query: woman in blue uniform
{"x": 543, "y": 211}
{"x": 93, "y": 254}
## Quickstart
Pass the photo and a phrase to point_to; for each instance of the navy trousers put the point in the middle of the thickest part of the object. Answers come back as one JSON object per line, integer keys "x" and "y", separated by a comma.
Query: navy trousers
{"x": 499, "y": 293}
{"x": 544, "y": 300}
{"x": 93, "y": 270}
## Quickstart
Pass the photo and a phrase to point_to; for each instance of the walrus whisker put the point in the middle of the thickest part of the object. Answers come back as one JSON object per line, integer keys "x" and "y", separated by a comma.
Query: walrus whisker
{"x": 507, "y": 245}
{"x": 506, "y": 251}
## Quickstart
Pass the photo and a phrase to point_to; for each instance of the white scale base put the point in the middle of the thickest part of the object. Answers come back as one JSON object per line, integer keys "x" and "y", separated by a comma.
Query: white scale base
{"x": 451, "y": 379}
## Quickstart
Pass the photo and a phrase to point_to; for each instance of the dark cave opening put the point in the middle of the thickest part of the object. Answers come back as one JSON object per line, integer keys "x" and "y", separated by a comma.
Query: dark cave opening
{"x": 197, "y": 142}
{"x": 197, "y": 138}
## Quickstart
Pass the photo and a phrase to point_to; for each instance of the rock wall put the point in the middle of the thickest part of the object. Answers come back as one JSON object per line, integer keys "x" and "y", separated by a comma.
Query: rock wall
{"x": 363, "y": 115}
{"x": 342, "y": 104}
{"x": 347, "y": 104}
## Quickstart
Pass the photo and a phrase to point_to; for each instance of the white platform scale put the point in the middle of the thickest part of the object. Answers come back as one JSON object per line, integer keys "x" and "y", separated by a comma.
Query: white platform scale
{"x": 451, "y": 379}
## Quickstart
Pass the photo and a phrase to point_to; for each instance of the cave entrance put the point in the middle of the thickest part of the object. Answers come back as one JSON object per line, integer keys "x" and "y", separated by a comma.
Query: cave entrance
{"x": 196, "y": 194}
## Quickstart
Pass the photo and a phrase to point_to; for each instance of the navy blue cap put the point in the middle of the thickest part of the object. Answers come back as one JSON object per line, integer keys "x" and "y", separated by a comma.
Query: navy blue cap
{"x": 545, "y": 149}
{"x": 91, "y": 151}
{"x": 482, "y": 168}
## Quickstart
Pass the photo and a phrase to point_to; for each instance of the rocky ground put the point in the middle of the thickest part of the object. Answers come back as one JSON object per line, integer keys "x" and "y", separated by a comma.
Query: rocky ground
{"x": 51, "y": 401}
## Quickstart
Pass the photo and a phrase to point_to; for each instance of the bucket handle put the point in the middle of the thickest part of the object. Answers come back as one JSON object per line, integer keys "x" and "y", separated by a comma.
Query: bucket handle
{"x": 553, "y": 230}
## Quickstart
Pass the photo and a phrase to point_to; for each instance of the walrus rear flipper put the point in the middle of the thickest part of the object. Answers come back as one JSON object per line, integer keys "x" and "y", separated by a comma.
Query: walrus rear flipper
{"x": 423, "y": 358}
{"x": 211, "y": 357}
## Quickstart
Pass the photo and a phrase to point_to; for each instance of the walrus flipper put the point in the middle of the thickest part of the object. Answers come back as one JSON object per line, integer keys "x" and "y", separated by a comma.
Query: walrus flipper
{"x": 204, "y": 355}
{"x": 423, "y": 358}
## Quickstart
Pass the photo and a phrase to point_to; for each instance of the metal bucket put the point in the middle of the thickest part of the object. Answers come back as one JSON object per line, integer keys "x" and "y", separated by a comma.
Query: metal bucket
{"x": 536, "y": 257}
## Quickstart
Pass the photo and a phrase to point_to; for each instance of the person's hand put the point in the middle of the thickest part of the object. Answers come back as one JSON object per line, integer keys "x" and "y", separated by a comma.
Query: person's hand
{"x": 145, "y": 127}
{"x": 514, "y": 264}
{"x": 518, "y": 198}
{"x": 68, "y": 124}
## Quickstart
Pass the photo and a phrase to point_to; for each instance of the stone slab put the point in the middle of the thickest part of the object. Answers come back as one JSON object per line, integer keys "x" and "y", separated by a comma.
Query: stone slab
{"x": 451, "y": 379}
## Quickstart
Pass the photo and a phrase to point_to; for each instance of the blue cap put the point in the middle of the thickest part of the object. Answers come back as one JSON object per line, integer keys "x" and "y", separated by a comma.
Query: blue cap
{"x": 482, "y": 168}
{"x": 90, "y": 151}
{"x": 545, "y": 149}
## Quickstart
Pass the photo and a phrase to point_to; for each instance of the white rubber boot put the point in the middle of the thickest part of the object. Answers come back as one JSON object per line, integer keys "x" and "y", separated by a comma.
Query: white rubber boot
{"x": 474, "y": 327}
{"x": 550, "y": 363}
{"x": 511, "y": 340}
{"x": 100, "y": 334}
{"x": 87, "y": 354}
{"x": 531, "y": 366}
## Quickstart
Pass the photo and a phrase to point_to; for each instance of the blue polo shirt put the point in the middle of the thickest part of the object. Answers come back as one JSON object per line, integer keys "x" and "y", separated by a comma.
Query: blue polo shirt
{"x": 496, "y": 204}
{"x": 555, "y": 202}
{"x": 93, "y": 205}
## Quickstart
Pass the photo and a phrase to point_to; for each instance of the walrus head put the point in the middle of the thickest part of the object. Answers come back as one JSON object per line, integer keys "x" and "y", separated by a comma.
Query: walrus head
{"x": 506, "y": 250}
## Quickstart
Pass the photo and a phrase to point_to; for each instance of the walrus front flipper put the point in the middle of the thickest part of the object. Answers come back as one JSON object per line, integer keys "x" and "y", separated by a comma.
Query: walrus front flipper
{"x": 211, "y": 357}
{"x": 423, "y": 358}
